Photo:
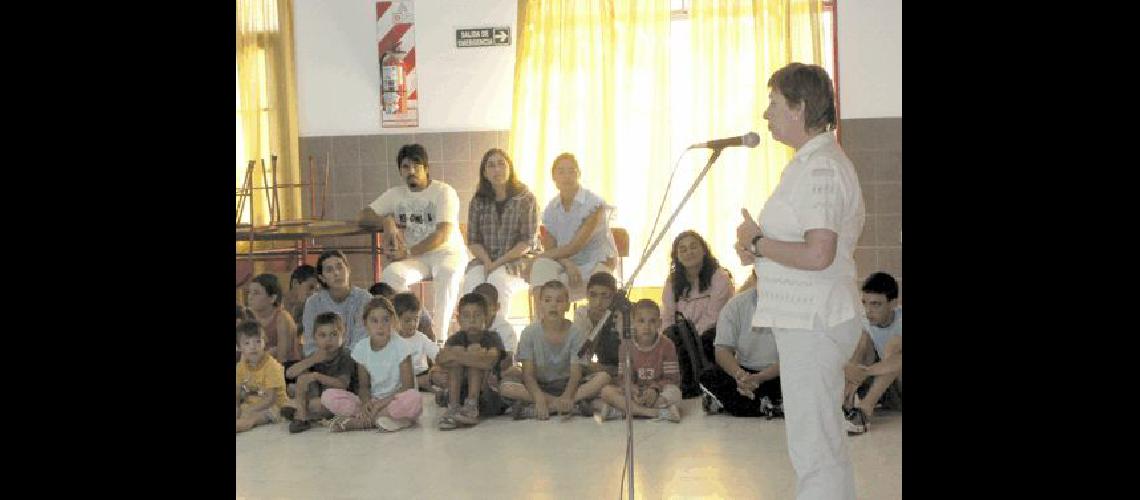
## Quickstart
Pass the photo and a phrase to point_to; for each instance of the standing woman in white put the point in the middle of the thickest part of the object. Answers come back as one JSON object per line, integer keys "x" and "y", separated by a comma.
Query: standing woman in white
{"x": 803, "y": 251}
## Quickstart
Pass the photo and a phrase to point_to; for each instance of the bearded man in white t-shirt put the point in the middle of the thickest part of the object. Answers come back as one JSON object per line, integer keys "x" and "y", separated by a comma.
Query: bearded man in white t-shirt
{"x": 420, "y": 236}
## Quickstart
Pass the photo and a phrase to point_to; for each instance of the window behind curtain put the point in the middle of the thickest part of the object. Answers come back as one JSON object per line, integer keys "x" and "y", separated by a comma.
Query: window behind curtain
{"x": 258, "y": 19}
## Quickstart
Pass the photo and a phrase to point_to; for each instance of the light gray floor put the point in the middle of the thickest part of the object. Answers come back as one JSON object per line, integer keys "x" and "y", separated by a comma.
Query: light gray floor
{"x": 701, "y": 457}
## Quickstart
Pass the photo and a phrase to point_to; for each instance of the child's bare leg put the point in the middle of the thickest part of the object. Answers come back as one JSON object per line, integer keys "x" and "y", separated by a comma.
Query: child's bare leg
{"x": 670, "y": 395}
{"x": 593, "y": 386}
{"x": 438, "y": 376}
{"x": 862, "y": 351}
{"x": 317, "y": 410}
{"x": 378, "y": 409}
{"x": 512, "y": 373}
{"x": 516, "y": 391}
{"x": 469, "y": 413}
{"x": 454, "y": 383}
{"x": 881, "y": 383}
{"x": 474, "y": 382}
{"x": 248, "y": 422}
{"x": 300, "y": 401}
{"x": 615, "y": 396}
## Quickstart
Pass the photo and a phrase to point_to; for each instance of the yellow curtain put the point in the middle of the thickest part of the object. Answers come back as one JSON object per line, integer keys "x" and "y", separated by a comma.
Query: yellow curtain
{"x": 739, "y": 44}
{"x": 626, "y": 90}
{"x": 267, "y": 102}
{"x": 591, "y": 78}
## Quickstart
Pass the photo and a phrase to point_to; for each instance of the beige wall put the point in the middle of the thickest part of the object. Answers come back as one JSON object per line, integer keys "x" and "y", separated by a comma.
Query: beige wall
{"x": 875, "y": 147}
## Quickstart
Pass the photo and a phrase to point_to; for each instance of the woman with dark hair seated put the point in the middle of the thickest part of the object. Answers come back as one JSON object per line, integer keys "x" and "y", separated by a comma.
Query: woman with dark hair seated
{"x": 697, "y": 286}
{"x": 502, "y": 229}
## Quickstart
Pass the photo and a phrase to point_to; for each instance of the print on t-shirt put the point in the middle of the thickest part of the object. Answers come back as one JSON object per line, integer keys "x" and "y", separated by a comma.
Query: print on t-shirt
{"x": 416, "y": 217}
{"x": 646, "y": 373}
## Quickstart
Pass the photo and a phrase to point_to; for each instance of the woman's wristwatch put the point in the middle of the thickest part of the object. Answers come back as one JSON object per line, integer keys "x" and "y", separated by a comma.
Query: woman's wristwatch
{"x": 755, "y": 249}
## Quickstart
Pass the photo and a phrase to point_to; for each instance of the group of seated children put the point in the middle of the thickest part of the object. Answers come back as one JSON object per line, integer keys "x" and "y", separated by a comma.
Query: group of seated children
{"x": 567, "y": 367}
{"x": 373, "y": 384}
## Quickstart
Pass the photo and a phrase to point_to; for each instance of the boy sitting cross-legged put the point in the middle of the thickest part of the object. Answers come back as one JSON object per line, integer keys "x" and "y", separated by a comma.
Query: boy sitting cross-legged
{"x": 552, "y": 368}
{"x": 470, "y": 360}
{"x": 329, "y": 367}
{"x": 497, "y": 322}
{"x": 654, "y": 390}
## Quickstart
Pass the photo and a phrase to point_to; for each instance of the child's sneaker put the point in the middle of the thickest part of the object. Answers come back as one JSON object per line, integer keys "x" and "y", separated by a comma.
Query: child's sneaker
{"x": 584, "y": 409}
{"x": 447, "y": 420}
{"x": 522, "y": 410}
{"x": 388, "y": 424}
{"x": 297, "y": 426}
{"x": 440, "y": 396}
{"x": 287, "y": 412}
{"x": 710, "y": 403}
{"x": 670, "y": 414}
{"x": 856, "y": 421}
{"x": 469, "y": 413}
{"x": 606, "y": 413}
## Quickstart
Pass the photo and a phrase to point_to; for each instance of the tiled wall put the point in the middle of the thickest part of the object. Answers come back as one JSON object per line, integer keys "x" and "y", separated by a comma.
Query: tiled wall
{"x": 363, "y": 166}
{"x": 875, "y": 147}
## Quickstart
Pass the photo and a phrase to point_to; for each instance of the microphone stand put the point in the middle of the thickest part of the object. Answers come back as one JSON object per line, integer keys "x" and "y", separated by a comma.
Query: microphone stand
{"x": 621, "y": 303}
{"x": 712, "y": 158}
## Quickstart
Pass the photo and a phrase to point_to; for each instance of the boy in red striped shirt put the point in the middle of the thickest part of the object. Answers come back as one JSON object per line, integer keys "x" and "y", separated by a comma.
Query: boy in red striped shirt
{"x": 656, "y": 377}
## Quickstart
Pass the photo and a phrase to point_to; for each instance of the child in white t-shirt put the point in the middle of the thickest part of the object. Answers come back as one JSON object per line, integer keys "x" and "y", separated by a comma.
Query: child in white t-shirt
{"x": 386, "y": 388}
{"x": 424, "y": 351}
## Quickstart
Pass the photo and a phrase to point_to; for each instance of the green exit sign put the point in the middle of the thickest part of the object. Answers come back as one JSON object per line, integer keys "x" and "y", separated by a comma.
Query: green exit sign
{"x": 483, "y": 37}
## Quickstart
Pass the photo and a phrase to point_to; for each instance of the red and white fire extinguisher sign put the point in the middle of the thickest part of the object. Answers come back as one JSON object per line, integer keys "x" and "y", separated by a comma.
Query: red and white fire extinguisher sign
{"x": 393, "y": 84}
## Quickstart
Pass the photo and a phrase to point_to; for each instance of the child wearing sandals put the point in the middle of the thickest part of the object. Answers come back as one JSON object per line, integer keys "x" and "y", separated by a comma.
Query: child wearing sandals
{"x": 387, "y": 398}
{"x": 551, "y": 368}
{"x": 329, "y": 367}
{"x": 654, "y": 389}
{"x": 260, "y": 379}
{"x": 470, "y": 367}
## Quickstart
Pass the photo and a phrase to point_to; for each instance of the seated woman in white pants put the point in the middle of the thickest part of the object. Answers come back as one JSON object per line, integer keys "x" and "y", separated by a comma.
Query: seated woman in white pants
{"x": 578, "y": 242}
{"x": 502, "y": 228}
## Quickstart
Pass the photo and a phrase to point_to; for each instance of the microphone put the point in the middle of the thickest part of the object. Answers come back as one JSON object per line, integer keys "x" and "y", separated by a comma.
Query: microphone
{"x": 748, "y": 140}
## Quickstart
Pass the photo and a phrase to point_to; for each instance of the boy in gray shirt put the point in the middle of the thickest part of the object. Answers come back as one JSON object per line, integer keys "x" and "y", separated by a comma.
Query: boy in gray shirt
{"x": 551, "y": 369}
{"x": 748, "y": 367}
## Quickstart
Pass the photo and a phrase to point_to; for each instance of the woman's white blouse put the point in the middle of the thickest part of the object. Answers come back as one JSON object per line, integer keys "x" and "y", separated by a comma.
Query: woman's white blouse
{"x": 819, "y": 189}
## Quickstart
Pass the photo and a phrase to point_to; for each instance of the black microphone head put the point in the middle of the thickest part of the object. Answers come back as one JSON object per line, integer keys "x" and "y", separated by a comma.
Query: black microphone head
{"x": 750, "y": 139}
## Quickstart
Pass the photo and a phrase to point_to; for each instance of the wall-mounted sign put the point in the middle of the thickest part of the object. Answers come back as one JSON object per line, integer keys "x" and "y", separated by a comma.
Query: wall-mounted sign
{"x": 483, "y": 37}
